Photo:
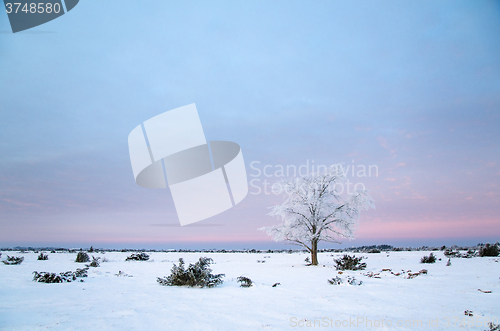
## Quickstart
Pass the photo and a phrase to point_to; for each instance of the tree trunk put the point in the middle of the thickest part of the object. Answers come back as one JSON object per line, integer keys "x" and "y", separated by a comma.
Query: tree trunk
{"x": 314, "y": 252}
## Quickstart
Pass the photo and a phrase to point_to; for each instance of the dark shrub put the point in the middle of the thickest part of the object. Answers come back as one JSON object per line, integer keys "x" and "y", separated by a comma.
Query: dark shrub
{"x": 467, "y": 255}
{"x": 81, "y": 272}
{"x": 63, "y": 277}
{"x": 13, "y": 260}
{"x": 350, "y": 280}
{"x": 493, "y": 327}
{"x": 244, "y": 281}
{"x": 335, "y": 281}
{"x": 48, "y": 277}
{"x": 348, "y": 262}
{"x": 353, "y": 281}
{"x": 374, "y": 250}
{"x": 198, "y": 274}
{"x": 138, "y": 257}
{"x": 95, "y": 262}
{"x": 82, "y": 257}
{"x": 489, "y": 250}
{"x": 428, "y": 259}
{"x": 451, "y": 253}
{"x": 43, "y": 257}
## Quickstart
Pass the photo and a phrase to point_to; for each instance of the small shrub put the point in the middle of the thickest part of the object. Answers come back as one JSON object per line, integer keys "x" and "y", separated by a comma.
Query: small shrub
{"x": 374, "y": 250}
{"x": 63, "y": 277}
{"x": 335, "y": 281}
{"x": 244, "y": 281}
{"x": 95, "y": 262}
{"x": 428, "y": 259}
{"x": 450, "y": 253}
{"x": 43, "y": 257}
{"x": 122, "y": 274}
{"x": 307, "y": 260}
{"x": 81, "y": 272}
{"x": 448, "y": 263}
{"x": 13, "y": 260}
{"x": 350, "y": 280}
{"x": 48, "y": 277}
{"x": 348, "y": 262}
{"x": 489, "y": 250}
{"x": 138, "y": 257}
{"x": 467, "y": 255}
{"x": 493, "y": 327}
{"x": 353, "y": 281}
{"x": 198, "y": 274}
{"x": 82, "y": 257}
{"x": 276, "y": 284}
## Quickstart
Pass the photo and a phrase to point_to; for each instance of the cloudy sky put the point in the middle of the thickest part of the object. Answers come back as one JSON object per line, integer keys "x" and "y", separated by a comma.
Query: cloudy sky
{"x": 410, "y": 87}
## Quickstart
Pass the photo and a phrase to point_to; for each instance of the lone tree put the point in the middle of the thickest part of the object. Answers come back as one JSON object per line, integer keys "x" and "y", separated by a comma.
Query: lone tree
{"x": 313, "y": 210}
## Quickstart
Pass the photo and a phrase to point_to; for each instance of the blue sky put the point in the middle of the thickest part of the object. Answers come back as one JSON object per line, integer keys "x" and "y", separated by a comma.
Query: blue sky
{"x": 412, "y": 87}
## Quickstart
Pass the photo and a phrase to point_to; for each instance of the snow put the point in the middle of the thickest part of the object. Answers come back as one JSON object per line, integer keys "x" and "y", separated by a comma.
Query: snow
{"x": 107, "y": 302}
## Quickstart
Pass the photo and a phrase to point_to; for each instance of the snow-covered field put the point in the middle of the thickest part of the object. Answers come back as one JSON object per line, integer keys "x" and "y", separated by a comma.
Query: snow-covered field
{"x": 304, "y": 300}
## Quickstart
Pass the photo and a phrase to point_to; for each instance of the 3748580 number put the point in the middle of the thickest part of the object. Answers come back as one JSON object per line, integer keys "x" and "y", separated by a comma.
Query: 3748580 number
{"x": 33, "y": 8}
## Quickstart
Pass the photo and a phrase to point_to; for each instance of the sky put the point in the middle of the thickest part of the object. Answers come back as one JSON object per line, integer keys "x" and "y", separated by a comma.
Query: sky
{"x": 412, "y": 88}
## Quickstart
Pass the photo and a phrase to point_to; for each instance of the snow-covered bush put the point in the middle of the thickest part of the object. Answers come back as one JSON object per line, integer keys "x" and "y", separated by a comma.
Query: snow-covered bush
{"x": 63, "y": 277}
{"x": 81, "y": 272}
{"x": 451, "y": 253}
{"x": 493, "y": 327}
{"x": 428, "y": 259}
{"x": 43, "y": 257}
{"x": 350, "y": 280}
{"x": 348, "y": 262}
{"x": 335, "y": 281}
{"x": 244, "y": 281}
{"x": 94, "y": 263}
{"x": 48, "y": 277}
{"x": 122, "y": 274}
{"x": 489, "y": 250}
{"x": 198, "y": 274}
{"x": 82, "y": 257}
{"x": 13, "y": 260}
{"x": 138, "y": 257}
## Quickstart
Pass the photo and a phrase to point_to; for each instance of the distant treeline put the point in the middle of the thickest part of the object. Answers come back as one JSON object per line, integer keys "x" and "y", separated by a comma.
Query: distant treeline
{"x": 360, "y": 249}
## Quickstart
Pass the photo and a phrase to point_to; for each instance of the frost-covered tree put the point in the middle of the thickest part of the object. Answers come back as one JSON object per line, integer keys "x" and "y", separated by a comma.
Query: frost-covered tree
{"x": 314, "y": 210}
